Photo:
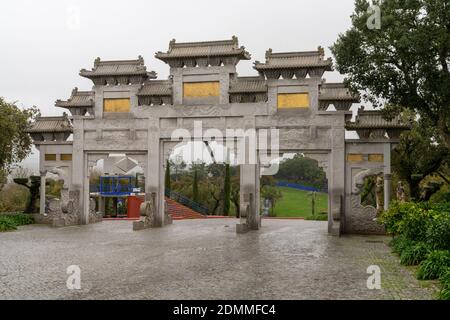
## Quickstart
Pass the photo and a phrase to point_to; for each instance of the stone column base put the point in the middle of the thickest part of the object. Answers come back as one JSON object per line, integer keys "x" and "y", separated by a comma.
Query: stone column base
{"x": 242, "y": 228}
{"x": 335, "y": 229}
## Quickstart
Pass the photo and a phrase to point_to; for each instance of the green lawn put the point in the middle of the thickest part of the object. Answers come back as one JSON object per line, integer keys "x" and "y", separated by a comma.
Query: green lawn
{"x": 297, "y": 203}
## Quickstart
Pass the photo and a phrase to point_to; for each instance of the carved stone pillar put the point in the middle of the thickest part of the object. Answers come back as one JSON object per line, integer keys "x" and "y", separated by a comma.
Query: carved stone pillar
{"x": 336, "y": 182}
{"x": 387, "y": 175}
{"x": 155, "y": 180}
{"x": 42, "y": 192}
{"x": 86, "y": 191}
{"x": 101, "y": 204}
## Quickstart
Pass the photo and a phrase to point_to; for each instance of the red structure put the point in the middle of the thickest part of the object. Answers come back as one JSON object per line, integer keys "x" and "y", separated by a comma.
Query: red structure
{"x": 134, "y": 204}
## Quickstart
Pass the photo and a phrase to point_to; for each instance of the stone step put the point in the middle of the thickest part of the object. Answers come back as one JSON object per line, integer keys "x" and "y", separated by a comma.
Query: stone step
{"x": 181, "y": 212}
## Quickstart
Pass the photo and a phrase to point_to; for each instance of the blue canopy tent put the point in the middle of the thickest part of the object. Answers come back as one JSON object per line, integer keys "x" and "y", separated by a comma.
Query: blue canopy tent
{"x": 116, "y": 185}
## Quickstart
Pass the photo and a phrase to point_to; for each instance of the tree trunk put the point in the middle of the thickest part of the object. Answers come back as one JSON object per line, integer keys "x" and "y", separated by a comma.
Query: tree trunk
{"x": 195, "y": 187}
{"x": 167, "y": 178}
{"x": 414, "y": 189}
{"x": 444, "y": 130}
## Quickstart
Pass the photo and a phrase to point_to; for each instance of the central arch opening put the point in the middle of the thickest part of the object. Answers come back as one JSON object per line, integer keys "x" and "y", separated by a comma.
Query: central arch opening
{"x": 202, "y": 179}
{"x": 298, "y": 190}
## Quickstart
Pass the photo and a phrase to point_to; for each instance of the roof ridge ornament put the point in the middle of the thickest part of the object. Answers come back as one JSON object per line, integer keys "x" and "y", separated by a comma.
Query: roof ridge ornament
{"x": 235, "y": 40}
{"x": 321, "y": 51}
{"x": 97, "y": 62}
{"x": 268, "y": 53}
{"x": 171, "y": 44}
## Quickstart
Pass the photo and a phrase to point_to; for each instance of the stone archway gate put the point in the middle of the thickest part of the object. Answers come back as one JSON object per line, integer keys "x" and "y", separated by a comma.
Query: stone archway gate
{"x": 129, "y": 111}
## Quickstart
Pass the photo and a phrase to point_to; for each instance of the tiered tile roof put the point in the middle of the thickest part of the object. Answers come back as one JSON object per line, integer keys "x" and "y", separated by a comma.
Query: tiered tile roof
{"x": 118, "y": 72}
{"x": 288, "y": 64}
{"x": 205, "y": 53}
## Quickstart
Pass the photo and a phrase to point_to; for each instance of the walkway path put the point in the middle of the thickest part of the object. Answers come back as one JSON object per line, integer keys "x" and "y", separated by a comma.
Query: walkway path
{"x": 200, "y": 259}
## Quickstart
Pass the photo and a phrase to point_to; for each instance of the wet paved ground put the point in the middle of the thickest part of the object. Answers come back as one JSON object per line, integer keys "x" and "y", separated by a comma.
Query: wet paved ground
{"x": 200, "y": 259}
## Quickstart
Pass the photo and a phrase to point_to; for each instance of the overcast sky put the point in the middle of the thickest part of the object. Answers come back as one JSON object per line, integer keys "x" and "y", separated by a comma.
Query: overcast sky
{"x": 46, "y": 43}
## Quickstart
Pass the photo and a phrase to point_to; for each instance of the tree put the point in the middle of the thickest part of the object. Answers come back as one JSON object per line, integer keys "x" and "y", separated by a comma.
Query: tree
{"x": 405, "y": 63}
{"x": 195, "y": 187}
{"x": 273, "y": 194}
{"x": 15, "y": 143}
{"x": 302, "y": 170}
{"x": 235, "y": 194}
{"x": 167, "y": 176}
{"x": 227, "y": 191}
{"x": 419, "y": 154}
{"x": 3, "y": 179}
{"x": 267, "y": 181}
{"x": 178, "y": 164}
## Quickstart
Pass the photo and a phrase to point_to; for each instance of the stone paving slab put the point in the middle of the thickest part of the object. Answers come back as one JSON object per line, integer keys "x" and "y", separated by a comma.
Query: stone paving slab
{"x": 200, "y": 259}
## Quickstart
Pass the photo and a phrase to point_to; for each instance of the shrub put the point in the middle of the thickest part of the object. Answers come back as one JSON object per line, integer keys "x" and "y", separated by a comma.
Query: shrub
{"x": 21, "y": 219}
{"x": 393, "y": 217}
{"x": 7, "y": 224}
{"x": 442, "y": 196}
{"x": 444, "y": 294}
{"x": 438, "y": 231}
{"x": 406, "y": 218}
{"x": 434, "y": 265}
{"x": 441, "y": 207}
{"x": 400, "y": 243}
{"x": 12, "y": 221}
{"x": 14, "y": 198}
{"x": 416, "y": 223}
{"x": 414, "y": 254}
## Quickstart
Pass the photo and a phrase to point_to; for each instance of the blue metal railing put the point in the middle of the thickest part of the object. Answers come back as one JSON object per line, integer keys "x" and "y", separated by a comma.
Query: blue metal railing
{"x": 300, "y": 187}
{"x": 185, "y": 201}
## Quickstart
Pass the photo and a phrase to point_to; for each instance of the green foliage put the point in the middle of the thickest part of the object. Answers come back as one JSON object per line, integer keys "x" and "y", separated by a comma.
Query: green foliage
{"x": 227, "y": 191}
{"x": 443, "y": 195}
{"x": 444, "y": 293}
{"x": 54, "y": 187}
{"x": 438, "y": 230}
{"x": 14, "y": 198}
{"x": 414, "y": 254}
{"x": 178, "y": 166}
{"x": 408, "y": 218}
{"x": 404, "y": 63}
{"x": 209, "y": 187}
{"x": 267, "y": 181}
{"x": 167, "y": 176}
{"x": 273, "y": 194}
{"x": 434, "y": 266}
{"x": 195, "y": 195}
{"x": 368, "y": 196}
{"x": 400, "y": 244}
{"x": 10, "y": 222}
{"x": 302, "y": 170}
{"x": 15, "y": 143}
{"x": 417, "y": 156}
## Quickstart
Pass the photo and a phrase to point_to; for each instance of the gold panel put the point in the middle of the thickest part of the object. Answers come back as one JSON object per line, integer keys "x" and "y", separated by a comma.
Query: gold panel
{"x": 355, "y": 157}
{"x": 293, "y": 100}
{"x": 50, "y": 157}
{"x": 66, "y": 157}
{"x": 201, "y": 89}
{"x": 116, "y": 105}
{"x": 376, "y": 158}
